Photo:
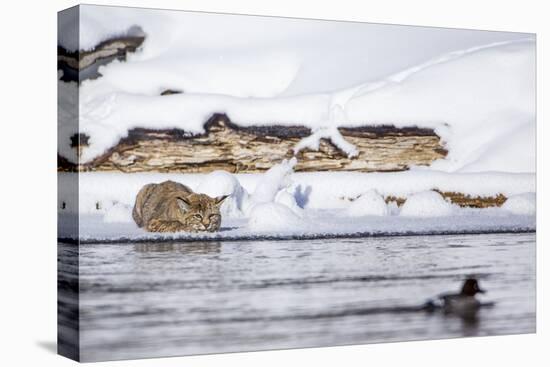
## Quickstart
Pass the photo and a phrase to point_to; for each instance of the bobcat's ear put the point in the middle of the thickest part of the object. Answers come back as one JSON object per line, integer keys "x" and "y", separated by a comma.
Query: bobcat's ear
{"x": 219, "y": 199}
{"x": 183, "y": 203}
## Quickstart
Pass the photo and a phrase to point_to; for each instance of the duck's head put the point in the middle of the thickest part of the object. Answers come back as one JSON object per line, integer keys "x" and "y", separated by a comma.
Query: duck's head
{"x": 471, "y": 287}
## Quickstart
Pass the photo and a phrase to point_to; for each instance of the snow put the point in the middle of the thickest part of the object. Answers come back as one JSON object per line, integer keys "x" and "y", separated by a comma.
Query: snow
{"x": 272, "y": 207}
{"x": 331, "y": 133}
{"x": 106, "y": 200}
{"x": 272, "y": 181}
{"x": 522, "y": 204}
{"x": 118, "y": 213}
{"x": 475, "y": 88}
{"x": 311, "y": 190}
{"x": 316, "y": 203}
{"x": 287, "y": 199}
{"x": 518, "y": 147}
{"x": 304, "y": 206}
{"x": 269, "y": 217}
{"x": 94, "y": 27}
{"x": 369, "y": 203}
{"x": 326, "y": 53}
{"x": 485, "y": 95}
{"x": 328, "y": 130}
{"x": 332, "y": 224}
{"x": 426, "y": 204}
{"x": 222, "y": 183}
{"x": 330, "y": 189}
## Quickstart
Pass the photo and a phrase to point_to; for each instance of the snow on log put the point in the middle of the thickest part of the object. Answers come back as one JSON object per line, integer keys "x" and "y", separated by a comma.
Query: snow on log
{"x": 252, "y": 149}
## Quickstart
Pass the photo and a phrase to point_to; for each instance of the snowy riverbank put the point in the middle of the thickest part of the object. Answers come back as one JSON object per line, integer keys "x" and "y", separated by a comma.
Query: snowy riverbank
{"x": 283, "y": 204}
{"x": 466, "y": 100}
{"x": 320, "y": 190}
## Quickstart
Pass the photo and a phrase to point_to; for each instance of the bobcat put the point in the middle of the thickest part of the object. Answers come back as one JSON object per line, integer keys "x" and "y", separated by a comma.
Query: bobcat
{"x": 173, "y": 207}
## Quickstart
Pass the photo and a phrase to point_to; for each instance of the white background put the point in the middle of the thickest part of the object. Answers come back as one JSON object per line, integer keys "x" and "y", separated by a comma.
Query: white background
{"x": 28, "y": 183}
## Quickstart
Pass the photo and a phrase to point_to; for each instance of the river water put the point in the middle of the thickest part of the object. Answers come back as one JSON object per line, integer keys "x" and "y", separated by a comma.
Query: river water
{"x": 165, "y": 299}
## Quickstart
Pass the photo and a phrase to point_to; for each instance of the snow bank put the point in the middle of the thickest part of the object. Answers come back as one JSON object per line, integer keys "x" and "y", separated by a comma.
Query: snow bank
{"x": 476, "y": 99}
{"x": 270, "y": 188}
{"x": 274, "y": 217}
{"x": 113, "y": 195}
{"x": 326, "y": 53}
{"x": 311, "y": 190}
{"x": 118, "y": 213}
{"x": 426, "y": 204}
{"x": 272, "y": 207}
{"x": 221, "y": 183}
{"x": 369, "y": 203}
{"x": 324, "y": 210}
{"x": 333, "y": 189}
{"x": 522, "y": 204}
{"x": 514, "y": 151}
{"x": 285, "y": 198}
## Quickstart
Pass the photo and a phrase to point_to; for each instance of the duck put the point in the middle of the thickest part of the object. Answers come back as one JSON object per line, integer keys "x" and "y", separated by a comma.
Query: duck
{"x": 463, "y": 304}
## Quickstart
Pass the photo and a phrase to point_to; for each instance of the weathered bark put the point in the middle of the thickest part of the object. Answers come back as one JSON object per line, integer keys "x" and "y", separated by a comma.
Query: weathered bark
{"x": 461, "y": 199}
{"x": 239, "y": 149}
{"x": 465, "y": 200}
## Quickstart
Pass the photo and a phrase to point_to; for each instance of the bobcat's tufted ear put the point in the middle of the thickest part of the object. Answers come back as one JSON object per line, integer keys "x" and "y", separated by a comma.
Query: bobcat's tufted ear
{"x": 183, "y": 203}
{"x": 219, "y": 199}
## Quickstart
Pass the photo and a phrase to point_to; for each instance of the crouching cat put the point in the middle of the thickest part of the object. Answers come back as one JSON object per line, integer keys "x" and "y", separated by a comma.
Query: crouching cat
{"x": 173, "y": 207}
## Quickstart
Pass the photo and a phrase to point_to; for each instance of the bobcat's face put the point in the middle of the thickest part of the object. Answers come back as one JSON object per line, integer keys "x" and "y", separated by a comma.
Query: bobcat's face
{"x": 200, "y": 212}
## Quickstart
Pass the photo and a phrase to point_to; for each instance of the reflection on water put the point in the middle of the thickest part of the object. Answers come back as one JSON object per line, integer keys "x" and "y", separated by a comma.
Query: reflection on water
{"x": 145, "y": 300}
{"x": 184, "y": 248}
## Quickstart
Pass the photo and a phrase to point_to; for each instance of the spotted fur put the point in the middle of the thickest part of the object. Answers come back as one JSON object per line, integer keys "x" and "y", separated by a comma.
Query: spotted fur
{"x": 173, "y": 207}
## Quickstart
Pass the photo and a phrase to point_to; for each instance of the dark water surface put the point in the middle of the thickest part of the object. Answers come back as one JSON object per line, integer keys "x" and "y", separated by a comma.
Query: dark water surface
{"x": 148, "y": 300}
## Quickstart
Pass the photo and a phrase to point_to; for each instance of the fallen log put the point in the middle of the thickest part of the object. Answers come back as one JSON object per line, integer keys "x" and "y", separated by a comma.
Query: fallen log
{"x": 81, "y": 65}
{"x": 252, "y": 149}
{"x": 460, "y": 199}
